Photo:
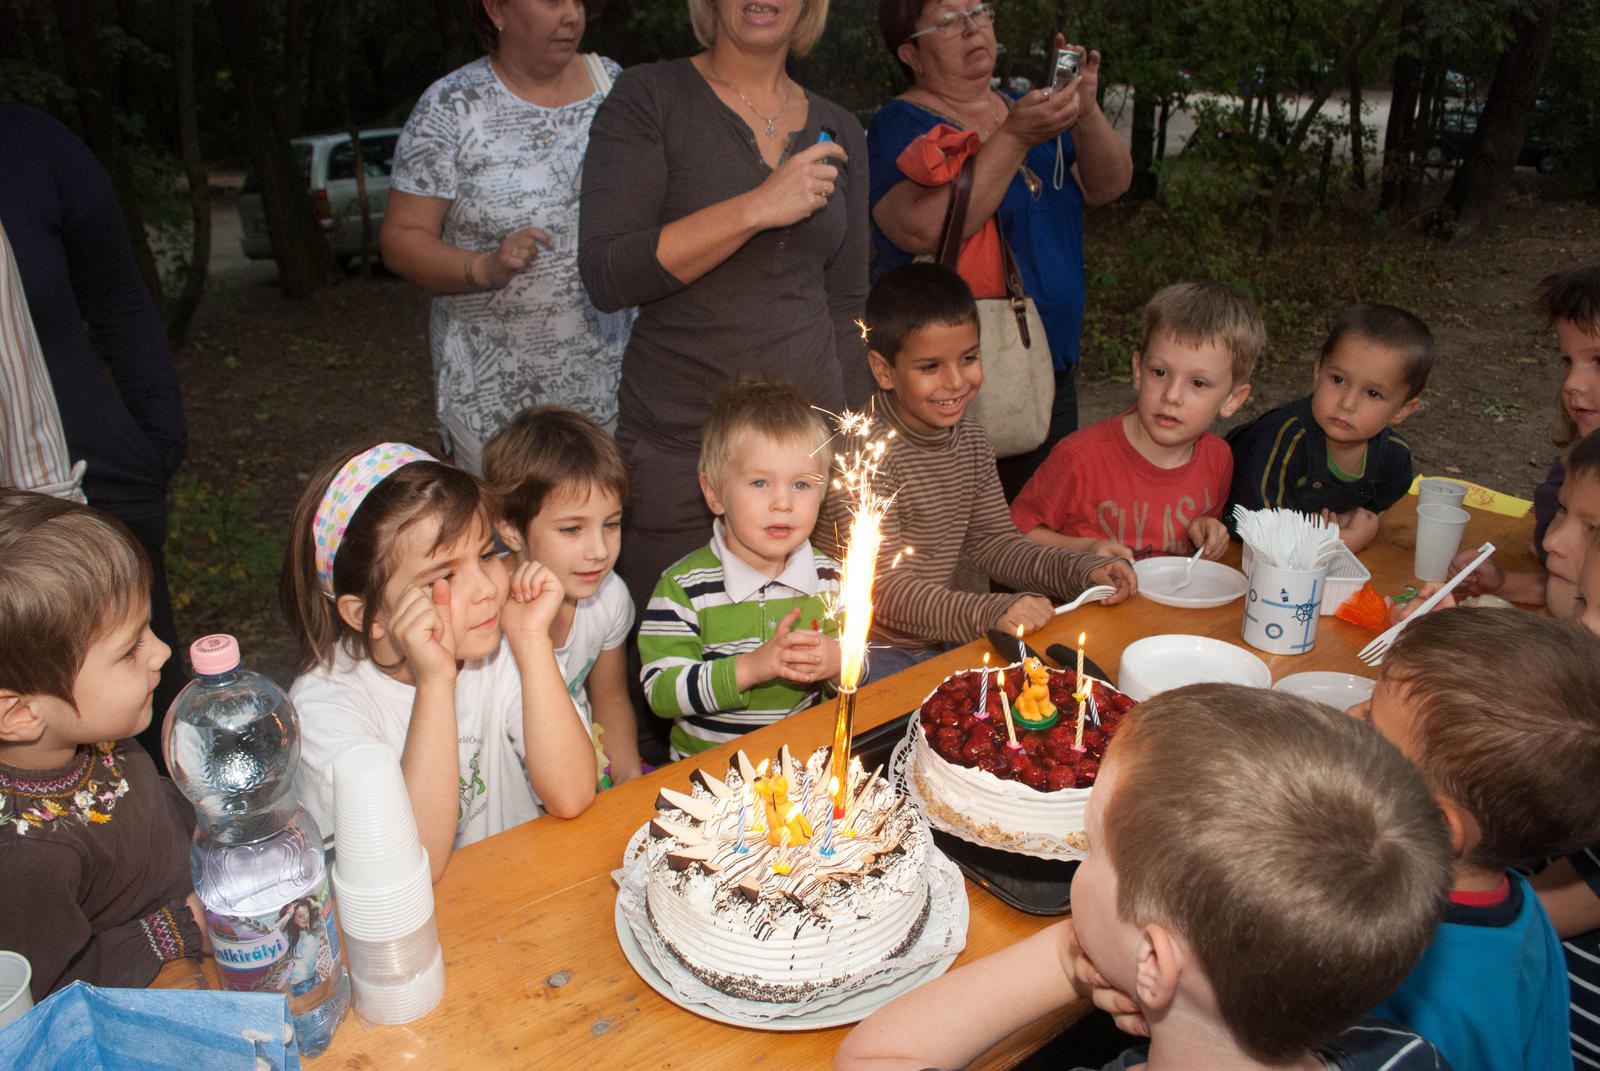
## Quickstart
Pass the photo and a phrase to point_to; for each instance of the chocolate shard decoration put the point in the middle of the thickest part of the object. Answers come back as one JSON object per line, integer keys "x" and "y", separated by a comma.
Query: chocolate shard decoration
{"x": 747, "y": 769}
{"x": 712, "y": 784}
{"x": 751, "y": 886}
{"x": 786, "y": 765}
{"x": 699, "y": 853}
{"x": 699, "y": 810}
{"x": 661, "y": 827}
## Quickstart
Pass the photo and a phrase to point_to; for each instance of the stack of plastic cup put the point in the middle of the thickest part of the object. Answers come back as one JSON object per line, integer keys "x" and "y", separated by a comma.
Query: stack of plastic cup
{"x": 384, "y": 889}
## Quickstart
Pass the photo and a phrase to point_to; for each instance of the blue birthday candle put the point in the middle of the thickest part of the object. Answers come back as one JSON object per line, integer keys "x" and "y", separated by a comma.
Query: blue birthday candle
{"x": 739, "y": 845}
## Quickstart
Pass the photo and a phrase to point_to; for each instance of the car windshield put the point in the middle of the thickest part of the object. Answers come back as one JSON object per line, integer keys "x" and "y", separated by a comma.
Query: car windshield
{"x": 377, "y": 156}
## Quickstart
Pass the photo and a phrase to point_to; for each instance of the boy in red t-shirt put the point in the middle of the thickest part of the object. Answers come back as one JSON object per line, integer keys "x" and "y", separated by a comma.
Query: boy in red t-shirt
{"x": 1154, "y": 480}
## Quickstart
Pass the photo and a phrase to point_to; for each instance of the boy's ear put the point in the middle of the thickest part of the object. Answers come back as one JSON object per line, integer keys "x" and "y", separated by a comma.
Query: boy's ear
{"x": 1235, "y": 400}
{"x": 1465, "y": 832}
{"x": 509, "y": 536}
{"x": 712, "y": 498}
{"x": 1405, "y": 410}
{"x": 351, "y": 610}
{"x": 882, "y": 368}
{"x": 1133, "y": 366}
{"x": 21, "y": 717}
{"x": 1161, "y": 959}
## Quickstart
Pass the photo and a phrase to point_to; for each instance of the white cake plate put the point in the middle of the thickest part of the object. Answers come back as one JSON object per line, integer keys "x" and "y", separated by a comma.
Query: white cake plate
{"x": 1213, "y": 584}
{"x": 851, "y": 1009}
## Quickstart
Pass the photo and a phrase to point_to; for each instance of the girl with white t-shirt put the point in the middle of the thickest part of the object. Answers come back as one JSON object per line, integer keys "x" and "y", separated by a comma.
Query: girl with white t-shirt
{"x": 415, "y": 634}
{"x": 562, "y": 482}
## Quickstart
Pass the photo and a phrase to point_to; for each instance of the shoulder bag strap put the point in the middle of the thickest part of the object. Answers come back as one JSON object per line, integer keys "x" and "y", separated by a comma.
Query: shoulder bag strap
{"x": 1014, "y": 291}
{"x": 955, "y": 216}
{"x": 597, "y": 73}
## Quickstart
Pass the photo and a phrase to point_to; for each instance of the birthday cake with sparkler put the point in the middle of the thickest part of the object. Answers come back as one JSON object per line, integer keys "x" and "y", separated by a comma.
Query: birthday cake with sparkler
{"x": 768, "y": 886}
{"x": 1005, "y": 766}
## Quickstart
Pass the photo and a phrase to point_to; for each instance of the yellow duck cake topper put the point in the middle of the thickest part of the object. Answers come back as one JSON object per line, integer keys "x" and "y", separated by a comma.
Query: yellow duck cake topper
{"x": 782, "y": 813}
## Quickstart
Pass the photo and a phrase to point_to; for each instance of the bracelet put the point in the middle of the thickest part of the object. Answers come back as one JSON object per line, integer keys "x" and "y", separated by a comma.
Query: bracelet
{"x": 472, "y": 283}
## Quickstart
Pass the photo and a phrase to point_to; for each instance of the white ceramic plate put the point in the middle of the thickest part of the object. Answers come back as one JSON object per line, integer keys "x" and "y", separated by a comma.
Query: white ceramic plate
{"x": 1214, "y": 584}
{"x": 1339, "y": 690}
{"x": 1158, "y": 663}
{"x": 851, "y": 1009}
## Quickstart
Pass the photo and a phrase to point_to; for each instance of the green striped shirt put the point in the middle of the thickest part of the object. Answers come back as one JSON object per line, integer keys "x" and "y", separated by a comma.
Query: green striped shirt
{"x": 694, "y": 628}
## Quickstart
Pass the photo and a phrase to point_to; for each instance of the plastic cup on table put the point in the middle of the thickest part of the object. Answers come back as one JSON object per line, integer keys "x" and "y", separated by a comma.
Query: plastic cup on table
{"x": 1440, "y": 491}
{"x": 1439, "y": 531}
{"x": 16, "y": 992}
{"x": 383, "y": 912}
{"x": 375, "y": 834}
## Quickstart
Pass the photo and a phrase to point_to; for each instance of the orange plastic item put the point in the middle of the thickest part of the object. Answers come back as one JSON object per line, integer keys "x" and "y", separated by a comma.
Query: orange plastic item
{"x": 1365, "y": 608}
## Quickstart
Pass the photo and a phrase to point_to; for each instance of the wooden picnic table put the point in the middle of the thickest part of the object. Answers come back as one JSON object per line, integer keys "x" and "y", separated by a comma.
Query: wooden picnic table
{"x": 536, "y": 901}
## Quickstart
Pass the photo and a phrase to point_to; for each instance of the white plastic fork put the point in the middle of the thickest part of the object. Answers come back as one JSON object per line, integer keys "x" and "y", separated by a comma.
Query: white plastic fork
{"x": 1188, "y": 570}
{"x": 1094, "y": 594}
{"x": 1372, "y": 654}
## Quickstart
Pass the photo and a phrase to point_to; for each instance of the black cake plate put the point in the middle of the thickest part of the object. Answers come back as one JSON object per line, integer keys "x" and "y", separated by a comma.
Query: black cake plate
{"x": 1035, "y": 886}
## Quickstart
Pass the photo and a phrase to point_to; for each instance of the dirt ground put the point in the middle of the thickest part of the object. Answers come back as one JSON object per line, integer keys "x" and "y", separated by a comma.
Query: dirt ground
{"x": 272, "y": 387}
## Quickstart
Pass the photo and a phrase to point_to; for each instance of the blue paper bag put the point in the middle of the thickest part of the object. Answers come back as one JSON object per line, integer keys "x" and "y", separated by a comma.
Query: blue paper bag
{"x": 83, "y": 1028}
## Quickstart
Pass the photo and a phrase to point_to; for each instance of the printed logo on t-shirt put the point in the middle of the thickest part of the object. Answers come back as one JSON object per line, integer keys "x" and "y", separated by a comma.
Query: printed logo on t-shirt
{"x": 1175, "y": 521}
{"x": 577, "y": 681}
{"x": 471, "y": 788}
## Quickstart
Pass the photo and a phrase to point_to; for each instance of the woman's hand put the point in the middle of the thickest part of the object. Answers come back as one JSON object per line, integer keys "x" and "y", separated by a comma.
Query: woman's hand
{"x": 495, "y": 270}
{"x": 800, "y": 186}
{"x": 420, "y": 629}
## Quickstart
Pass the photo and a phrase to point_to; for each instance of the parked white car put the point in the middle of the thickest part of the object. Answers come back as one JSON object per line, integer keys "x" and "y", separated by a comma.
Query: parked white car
{"x": 329, "y": 164}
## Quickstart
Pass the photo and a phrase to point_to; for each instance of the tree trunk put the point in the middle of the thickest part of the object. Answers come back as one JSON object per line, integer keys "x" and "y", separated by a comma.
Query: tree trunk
{"x": 1142, "y": 144}
{"x": 1479, "y": 185}
{"x": 293, "y": 45}
{"x": 449, "y": 35}
{"x": 1358, "y": 131}
{"x": 1352, "y": 54}
{"x": 1161, "y": 128}
{"x": 194, "y": 168}
{"x": 355, "y": 139}
{"x": 100, "y": 129}
{"x": 1406, "y": 81}
{"x": 292, "y": 226}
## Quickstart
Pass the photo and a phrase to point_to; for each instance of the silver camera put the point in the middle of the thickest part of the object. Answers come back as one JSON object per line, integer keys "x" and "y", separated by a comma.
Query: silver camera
{"x": 1063, "y": 69}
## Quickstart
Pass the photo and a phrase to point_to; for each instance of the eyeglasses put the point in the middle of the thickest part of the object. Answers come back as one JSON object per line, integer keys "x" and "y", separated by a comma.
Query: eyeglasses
{"x": 953, "y": 22}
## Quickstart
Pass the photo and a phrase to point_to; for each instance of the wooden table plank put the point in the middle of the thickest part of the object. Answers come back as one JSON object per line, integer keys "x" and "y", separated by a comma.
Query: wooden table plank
{"x": 515, "y": 909}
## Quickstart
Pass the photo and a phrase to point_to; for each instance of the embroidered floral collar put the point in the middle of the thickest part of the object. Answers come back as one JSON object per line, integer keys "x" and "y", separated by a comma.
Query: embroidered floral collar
{"x": 85, "y": 791}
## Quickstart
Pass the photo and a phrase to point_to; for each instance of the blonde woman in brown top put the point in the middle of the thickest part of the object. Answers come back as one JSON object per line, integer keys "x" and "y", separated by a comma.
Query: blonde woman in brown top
{"x": 712, "y": 203}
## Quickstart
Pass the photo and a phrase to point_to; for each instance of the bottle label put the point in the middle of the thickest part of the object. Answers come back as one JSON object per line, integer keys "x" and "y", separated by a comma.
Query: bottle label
{"x": 294, "y": 951}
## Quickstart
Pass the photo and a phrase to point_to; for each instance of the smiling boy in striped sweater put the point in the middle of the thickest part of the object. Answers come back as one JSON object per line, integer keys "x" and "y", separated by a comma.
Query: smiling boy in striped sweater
{"x": 736, "y": 635}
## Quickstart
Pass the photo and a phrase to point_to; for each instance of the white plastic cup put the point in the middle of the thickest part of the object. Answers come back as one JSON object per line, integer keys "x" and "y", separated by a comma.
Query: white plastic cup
{"x": 16, "y": 982}
{"x": 374, "y": 832}
{"x": 1437, "y": 489}
{"x": 393, "y": 962}
{"x": 1439, "y": 531}
{"x": 1283, "y": 607}
{"x": 405, "y": 1002}
{"x": 382, "y": 913}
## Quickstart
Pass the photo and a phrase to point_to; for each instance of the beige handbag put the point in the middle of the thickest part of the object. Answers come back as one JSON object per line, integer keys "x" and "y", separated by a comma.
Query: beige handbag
{"x": 1019, "y": 380}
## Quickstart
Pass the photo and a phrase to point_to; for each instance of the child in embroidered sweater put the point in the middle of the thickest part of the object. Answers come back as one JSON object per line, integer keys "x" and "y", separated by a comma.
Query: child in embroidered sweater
{"x": 415, "y": 634}
{"x": 1153, "y": 480}
{"x": 562, "y": 482}
{"x": 94, "y": 840}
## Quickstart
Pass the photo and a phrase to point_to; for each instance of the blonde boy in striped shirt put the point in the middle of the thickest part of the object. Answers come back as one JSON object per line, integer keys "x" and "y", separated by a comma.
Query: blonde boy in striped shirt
{"x": 736, "y": 635}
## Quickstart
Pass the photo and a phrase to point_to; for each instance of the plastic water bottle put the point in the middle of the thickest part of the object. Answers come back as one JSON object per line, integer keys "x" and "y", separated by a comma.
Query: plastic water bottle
{"x": 232, "y": 741}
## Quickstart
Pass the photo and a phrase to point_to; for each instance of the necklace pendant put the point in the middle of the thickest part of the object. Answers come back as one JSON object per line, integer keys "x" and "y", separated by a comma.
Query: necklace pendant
{"x": 771, "y": 130}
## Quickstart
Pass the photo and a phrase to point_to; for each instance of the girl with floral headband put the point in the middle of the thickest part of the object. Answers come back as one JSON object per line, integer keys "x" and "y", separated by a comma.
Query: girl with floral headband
{"x": 415, "y": 634}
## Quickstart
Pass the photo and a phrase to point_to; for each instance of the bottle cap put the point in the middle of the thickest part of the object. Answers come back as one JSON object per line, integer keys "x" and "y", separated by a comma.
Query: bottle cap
{"x": 211, "y": 655}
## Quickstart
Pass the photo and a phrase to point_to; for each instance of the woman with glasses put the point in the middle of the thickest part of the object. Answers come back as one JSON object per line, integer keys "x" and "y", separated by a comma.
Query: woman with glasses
{"x": 1043, "y": 156}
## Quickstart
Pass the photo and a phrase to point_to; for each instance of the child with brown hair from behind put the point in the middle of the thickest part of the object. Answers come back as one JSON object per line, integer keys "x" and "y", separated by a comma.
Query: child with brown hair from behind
{"x": 94, "y": 842}
{"x": 1500, "y": 710}
{"x": 562, "y": 482}
{"x": 1262, "y": 870}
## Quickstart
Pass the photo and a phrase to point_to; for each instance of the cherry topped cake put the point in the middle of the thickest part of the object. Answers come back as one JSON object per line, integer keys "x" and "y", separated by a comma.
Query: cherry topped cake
{"x": 1000, "y": 786}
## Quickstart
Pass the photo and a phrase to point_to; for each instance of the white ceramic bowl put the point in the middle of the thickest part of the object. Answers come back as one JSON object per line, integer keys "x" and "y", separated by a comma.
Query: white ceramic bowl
{"x": 1158, "y": 663}
{"x": 1213, "y": 583}
{"x": 1339, "y": 690}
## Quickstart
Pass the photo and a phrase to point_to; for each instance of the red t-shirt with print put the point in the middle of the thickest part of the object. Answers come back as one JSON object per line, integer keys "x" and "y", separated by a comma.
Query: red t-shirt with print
{"x": 1095, "y": 484}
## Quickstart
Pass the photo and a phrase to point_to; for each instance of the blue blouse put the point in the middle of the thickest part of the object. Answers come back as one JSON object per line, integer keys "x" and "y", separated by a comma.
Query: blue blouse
{"x": 1046, "y": 233}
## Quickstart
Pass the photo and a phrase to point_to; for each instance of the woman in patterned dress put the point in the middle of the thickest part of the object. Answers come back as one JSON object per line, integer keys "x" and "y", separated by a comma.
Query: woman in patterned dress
{"x": 483, "y": 212}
